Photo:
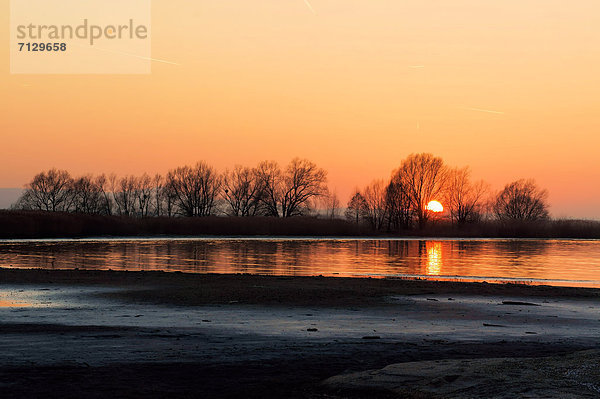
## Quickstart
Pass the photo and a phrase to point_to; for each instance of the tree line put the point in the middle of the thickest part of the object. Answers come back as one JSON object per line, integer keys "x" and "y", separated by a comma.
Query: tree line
{"x": 298, "y": 189}
{"x": 199, "y": 190}
{"x": 401, "y": 202}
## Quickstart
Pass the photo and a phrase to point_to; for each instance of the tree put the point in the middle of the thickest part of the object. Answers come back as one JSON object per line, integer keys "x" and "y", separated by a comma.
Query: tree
{"x": 290, "y": 192}
{"x": 375, "y": 204}
{"x": 269, "y": 176}
{"x": 194, "y": 188}
{"x": 48, "y": 191}
{"x": 88, "y": 195}
{"x": 464, "y": 198}
{"x": 331, "y": 205}
{"x": 143, "y": 191}
{"x": 124, "y": 194}
{"x": 423, "y": 176}
{"x": 168, "y": 197}
{"x": 398, "y": 209}
{"x": 302, "y": 182}
{"x": 242, "y": 190}
{"x": 103, "y": 183}
{"x": 158, "y": 188}
{"x": 521, "y": 200}
{"x": 356, "y": 209}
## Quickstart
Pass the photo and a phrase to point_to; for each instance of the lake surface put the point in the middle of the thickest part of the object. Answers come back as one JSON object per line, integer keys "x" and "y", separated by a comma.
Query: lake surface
{"x": 552, "y": 262}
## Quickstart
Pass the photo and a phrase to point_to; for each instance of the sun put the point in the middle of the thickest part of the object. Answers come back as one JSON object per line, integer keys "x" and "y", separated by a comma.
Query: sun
{"x": 435, "y": 206}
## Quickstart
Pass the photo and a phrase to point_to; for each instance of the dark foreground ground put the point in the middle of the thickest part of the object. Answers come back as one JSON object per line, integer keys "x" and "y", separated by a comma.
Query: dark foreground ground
{"x": 137, "y": 334}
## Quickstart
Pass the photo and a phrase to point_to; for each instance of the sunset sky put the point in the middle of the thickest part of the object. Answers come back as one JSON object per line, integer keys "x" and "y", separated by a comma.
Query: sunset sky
{"x": 511, "y": 88}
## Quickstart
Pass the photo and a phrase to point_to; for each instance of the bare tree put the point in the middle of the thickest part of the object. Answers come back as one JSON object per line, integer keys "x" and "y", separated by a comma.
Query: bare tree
{"x": 302, "y": 182}
{"x": 270, "y": 179}
{"x": 375, "y": 200}
{"x": 521, "y": 200}
{"x": 242, "y": 190}
{"x": 195, "y": 189}
{"x": 356, "y": 209}
{"x": 423, "y": 176}
{"x": 293, "y": 191}
{"x": 49, "y": 191}
{"x": 398, "y": 206}
{"x": 168, "y": 197}
{"x": 88, "y": 195}
{"x": 143, "y": 190}
{"x": 124, "y": 194}
{"x": 158, "y": 187}
{"x": 103, "y": 184}
{"x": 331, "y": 205}
{"x": 464, "y": 198}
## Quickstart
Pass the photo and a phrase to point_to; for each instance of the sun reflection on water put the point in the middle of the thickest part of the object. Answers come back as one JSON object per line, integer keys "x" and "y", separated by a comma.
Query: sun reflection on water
{"x": 12, "y": 304}
{"x": 434, "y": 258}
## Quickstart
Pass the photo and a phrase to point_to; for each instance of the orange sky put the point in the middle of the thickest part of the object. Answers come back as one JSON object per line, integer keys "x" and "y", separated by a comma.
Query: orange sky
{"x": 355, "y": 87}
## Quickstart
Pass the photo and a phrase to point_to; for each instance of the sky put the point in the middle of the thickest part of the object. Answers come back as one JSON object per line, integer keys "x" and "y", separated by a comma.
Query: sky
{"x": 510, "y": 88}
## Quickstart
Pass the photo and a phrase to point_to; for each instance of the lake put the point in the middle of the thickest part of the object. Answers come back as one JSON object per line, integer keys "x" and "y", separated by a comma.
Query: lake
{"x": 552, "y": 262}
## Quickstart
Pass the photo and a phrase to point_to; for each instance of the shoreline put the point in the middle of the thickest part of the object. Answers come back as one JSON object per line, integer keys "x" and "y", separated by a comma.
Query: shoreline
{"x": 196, "y": 289}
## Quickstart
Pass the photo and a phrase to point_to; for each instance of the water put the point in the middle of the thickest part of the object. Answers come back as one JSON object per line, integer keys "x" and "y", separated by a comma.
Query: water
{"x": 552, "y": 262}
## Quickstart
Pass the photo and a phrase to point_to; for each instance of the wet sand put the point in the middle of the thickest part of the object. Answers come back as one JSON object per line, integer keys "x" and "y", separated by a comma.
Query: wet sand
{"x": 139, "y": 334}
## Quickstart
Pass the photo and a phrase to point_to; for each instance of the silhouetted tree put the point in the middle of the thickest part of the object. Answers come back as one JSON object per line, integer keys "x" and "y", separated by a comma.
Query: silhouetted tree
{"x": 398, "y": 208}
{"x": 331, "y": 205}
{"x": 302, "y": 182}
{"x": 521, "y": 200}
{"x": 88, "y": 195}
{"x": 143, "y": 190}
{"x": 269, "y": 176}
{"x": 289, "y": 193}
{"x": 356, "y": 209}
{"x": 195, "y": 189}
{"x": 157, "y": 204}
{"x": 423, "y": 176}
{"x": 242, "y": 190}
{"x": 375, "y": 210}
{"x": 168, "y": 197}
{"x": 48, "y": 191}
{"x": 124, "y": 194}
{"x": 464, "y": 198}
{"x": 103, "y": 184}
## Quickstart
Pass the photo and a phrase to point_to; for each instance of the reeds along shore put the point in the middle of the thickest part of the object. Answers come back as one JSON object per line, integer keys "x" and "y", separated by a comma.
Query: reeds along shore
{"x": 38, "y": 224}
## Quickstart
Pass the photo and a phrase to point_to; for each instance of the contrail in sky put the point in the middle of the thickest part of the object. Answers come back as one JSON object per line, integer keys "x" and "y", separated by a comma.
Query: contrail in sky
{"x": 128, "y": 54}
{"x": 310, "y": 7}
{"x": 483, "y": 110}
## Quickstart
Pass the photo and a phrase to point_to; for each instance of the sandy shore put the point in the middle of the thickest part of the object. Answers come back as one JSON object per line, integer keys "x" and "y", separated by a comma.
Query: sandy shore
{"x": 139, "y": 334}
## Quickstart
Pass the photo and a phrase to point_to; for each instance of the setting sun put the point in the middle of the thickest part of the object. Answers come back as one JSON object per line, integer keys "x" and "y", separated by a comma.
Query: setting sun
{"x": 435, "y": 206}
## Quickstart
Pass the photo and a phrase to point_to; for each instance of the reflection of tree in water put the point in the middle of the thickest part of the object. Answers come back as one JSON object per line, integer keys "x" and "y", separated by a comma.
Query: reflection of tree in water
{"x": 52, "y": 255}
{"x": 397, "y": 257}
{"x": 397, "y": 249}
{"x": 252, "y": 256}
{"x": 521, "y": 252}
{"x": 511, "y": 258}
{"x": 190, "y": 256}
{"x": 300, "y": 256}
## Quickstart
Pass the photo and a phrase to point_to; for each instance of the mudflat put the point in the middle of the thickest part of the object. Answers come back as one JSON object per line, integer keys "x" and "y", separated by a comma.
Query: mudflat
{"x": 79, "y": 333}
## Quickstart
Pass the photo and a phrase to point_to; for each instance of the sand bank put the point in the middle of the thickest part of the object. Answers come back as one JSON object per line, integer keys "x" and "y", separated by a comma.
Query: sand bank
{"x": 136, "y": 334}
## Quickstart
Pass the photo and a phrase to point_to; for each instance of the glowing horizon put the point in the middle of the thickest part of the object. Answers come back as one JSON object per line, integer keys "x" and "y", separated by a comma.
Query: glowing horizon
{"x": 508, "y": 88}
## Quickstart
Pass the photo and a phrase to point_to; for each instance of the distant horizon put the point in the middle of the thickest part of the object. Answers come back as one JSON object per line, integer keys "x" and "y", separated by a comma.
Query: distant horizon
{"x": 9, "y": 195}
